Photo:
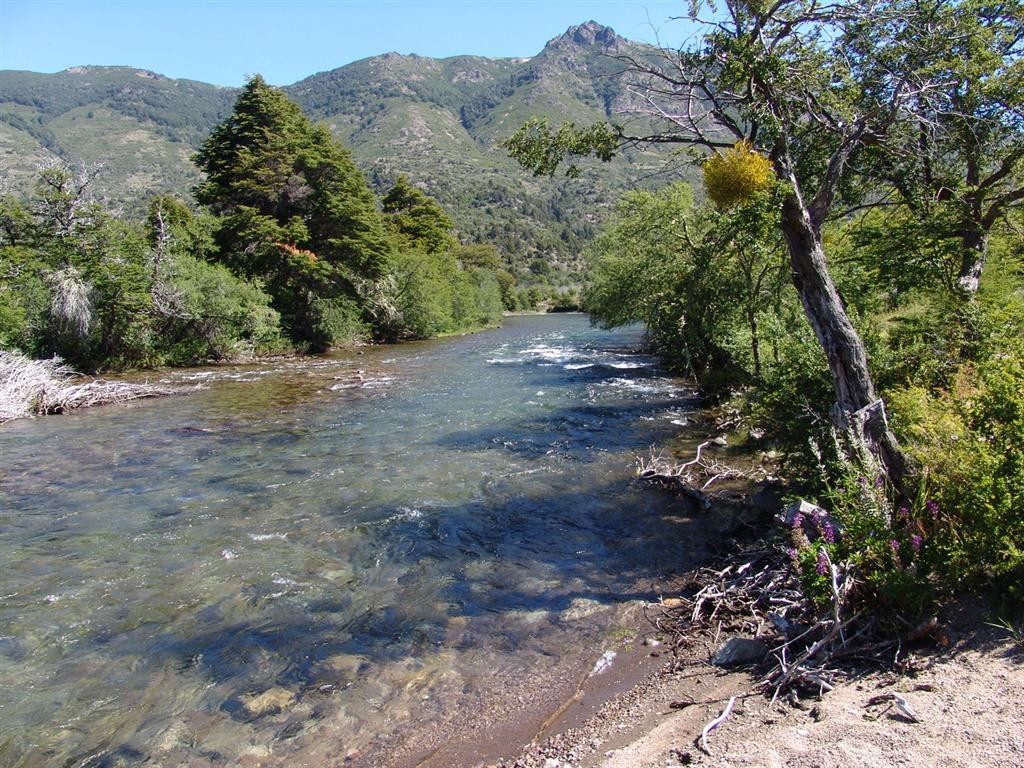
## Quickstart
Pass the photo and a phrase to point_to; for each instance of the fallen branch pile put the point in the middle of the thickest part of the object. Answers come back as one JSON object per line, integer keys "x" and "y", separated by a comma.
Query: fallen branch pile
{"x": 37, "y": 387}
{"x": 692, "y": 478}
{"x": 757, "y": 595}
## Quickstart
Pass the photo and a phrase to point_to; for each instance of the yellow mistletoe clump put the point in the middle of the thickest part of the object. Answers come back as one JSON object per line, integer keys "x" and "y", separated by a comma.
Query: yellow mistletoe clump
{"x": 731, "y": 177}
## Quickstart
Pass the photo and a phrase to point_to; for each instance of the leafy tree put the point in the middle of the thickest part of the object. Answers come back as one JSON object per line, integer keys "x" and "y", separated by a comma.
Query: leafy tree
{"x": 86, "y": 269}
{"x": 955, "y": 157}
{"x": 433, "y": 293}
{"x": 700, "y": 280}
{"x": 63, "y": 202}
{"x": 105, "y": 293}
{"x": 539, "y": 148}
{"x": 507, "y": 288}
{"x": 296, "y": 212}
{"x": 484, "y": 256}
{"x": 419, "y": 219}
{"x": 24, "y": 298}
{"x": 423, "y": 294}
{"x": 201, "y": 310}
{"x": 768, "y": 74}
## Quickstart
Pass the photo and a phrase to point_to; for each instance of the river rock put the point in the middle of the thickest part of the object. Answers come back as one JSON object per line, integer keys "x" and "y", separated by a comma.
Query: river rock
{"x": 738, "y": 651}
{"x": 270, "y": 701}
{"x": 813, "y": 517}
{"x": 787, "y": 627}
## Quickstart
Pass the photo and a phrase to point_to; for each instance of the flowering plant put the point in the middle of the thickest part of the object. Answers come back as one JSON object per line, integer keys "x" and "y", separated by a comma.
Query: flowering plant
{"x": 877, "y": 549}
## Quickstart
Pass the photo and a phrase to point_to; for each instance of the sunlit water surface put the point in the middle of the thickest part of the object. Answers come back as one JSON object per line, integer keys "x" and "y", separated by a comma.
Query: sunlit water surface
{"x": 311, "y": 559}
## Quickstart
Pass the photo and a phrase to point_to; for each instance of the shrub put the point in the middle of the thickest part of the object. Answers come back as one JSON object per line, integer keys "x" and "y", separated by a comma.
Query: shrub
{"x": 965, "y": 525}
{"x": 889, "y": 547}
{"x": 970, "y": 441}
{"x": 217, "y": 315}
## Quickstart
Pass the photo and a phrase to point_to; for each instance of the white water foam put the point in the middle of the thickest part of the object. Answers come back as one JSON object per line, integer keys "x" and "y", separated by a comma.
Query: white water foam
{"x": 268, "y": 536}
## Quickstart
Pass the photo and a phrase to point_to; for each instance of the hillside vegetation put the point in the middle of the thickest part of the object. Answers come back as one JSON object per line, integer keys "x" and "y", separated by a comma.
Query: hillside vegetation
{"x": 289, "y": 249}
{"x": 435, "y": 121}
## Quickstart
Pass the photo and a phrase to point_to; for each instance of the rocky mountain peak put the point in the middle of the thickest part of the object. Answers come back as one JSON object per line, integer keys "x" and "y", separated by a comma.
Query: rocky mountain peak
{"x": 590, "y": 34}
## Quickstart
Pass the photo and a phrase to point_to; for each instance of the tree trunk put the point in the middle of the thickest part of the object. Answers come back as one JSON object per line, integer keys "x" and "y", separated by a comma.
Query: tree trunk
{"x": 843, "y": 347}
{"x": 755, "y": 343}
{"x": 975, "y": 247}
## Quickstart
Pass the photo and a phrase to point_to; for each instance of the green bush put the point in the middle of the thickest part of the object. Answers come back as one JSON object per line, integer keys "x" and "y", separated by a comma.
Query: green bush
{"x": 969, "y": 440}
{"x": 339, "y": 321}
{"x": 792, "y": 401}
{"x": 217, "y": 316}
{"x": 24, "y": 299}
{"x": 965, "y": 525}
{"x": 889, "y": 547}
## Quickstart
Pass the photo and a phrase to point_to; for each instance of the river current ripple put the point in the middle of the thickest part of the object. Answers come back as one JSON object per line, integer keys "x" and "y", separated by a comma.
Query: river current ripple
{"x": 308, "y": 560}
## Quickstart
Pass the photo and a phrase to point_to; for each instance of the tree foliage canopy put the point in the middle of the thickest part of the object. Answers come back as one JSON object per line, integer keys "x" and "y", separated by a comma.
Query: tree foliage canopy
{"x": 820, "y": 89}
{"x": 296, "y": 212}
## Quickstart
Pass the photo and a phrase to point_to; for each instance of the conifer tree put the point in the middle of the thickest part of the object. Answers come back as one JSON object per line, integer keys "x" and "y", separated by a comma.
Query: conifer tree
{"x": 296, "y": 213}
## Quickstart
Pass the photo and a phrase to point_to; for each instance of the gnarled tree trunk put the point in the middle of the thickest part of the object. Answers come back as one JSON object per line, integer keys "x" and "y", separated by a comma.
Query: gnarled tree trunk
{"x": 974, "y": 250}
{"x": 857, "y": 404}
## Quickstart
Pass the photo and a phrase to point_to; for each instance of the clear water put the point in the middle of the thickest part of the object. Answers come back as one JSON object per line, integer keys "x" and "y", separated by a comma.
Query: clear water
{"x": 309, "y": 559}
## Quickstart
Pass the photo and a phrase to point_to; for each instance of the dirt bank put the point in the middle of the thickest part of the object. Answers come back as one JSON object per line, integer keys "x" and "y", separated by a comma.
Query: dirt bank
{"x": 966, "y": 697}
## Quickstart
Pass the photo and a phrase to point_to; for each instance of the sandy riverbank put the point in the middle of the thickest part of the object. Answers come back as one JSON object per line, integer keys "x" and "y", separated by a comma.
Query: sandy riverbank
{"x": 966, "y": 695}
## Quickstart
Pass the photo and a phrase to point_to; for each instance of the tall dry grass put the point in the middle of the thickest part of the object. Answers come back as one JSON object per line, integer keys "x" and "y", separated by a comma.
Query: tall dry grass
{"x": 35, "y": 387}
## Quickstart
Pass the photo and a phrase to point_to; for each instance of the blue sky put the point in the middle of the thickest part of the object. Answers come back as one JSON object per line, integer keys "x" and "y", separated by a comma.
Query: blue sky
{"x": 222, "y": 41}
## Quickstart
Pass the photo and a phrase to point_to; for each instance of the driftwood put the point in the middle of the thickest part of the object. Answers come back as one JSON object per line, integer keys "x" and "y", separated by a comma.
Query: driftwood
{"x": 37, "y": 387}
{"x": 893, "y": 700}
{"x": 692, "y": 478}
{"x": 702, "y": 742}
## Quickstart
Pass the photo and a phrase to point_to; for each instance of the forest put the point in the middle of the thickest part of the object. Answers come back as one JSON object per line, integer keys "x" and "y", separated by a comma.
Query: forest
{"x": 284, "y": 247}
{"x": 850, "y": 275}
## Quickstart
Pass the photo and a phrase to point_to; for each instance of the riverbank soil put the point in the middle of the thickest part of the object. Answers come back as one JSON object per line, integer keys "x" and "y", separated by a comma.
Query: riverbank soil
{"x": 966, "y": 705}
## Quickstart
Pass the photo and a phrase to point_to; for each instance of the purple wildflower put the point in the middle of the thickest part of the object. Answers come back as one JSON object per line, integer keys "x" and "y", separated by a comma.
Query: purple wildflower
{"x": 904, "y": 513}
{"x": 862, "y": 481}
{"x": 915, "y": 542}
{"x": 792, "y": 554}
{"x": 895, "y": 546}
{"x": 798, "y": 520}
{"x": 822, "y": 562}
{"x": 932, "y": 508}
{"x": 828, "y": 533}
{"x": 880, "y": 482}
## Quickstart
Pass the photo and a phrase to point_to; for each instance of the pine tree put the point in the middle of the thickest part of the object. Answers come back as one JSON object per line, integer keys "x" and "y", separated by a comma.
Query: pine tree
{"x": 296, "y": 213}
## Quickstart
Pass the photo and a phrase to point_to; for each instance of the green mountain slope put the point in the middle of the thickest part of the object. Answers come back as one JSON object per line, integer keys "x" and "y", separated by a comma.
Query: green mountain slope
{"x": 436, "y": 121}
{"x": 141, "y": 126}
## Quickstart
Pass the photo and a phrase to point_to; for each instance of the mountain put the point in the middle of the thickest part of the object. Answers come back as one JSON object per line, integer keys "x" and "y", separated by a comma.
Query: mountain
{"x": 436, "y": 121}
{"x": 143, "y": 127}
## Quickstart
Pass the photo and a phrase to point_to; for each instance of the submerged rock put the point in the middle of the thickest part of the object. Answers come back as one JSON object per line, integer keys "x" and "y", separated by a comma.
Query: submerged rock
{"x": 270, "y": 701}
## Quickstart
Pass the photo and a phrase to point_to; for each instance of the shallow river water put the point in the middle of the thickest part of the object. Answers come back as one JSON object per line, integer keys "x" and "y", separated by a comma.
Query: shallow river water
{"x": 311, "y": 560}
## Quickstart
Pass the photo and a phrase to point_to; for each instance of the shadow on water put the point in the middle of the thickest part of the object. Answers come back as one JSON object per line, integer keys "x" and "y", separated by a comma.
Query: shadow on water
{"x": 573, "y": 431}
{"x": 596, "y": 562}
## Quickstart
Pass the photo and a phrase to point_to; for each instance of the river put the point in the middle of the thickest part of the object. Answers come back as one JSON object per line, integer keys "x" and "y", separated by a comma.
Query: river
{"x": 322, "y": 561}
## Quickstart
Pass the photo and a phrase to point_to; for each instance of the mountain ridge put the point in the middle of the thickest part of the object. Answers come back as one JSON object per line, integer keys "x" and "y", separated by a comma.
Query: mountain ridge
{"x": 435, "y": 121}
